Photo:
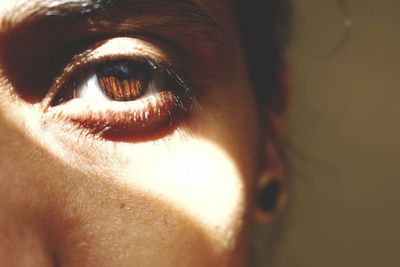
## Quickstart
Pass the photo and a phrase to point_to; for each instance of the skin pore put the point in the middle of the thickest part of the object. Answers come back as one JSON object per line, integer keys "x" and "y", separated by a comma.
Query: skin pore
{"x": 163, "y": 179}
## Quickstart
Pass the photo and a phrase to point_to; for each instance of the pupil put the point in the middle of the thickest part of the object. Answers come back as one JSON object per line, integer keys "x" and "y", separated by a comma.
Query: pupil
{"x": 123, "y": 80}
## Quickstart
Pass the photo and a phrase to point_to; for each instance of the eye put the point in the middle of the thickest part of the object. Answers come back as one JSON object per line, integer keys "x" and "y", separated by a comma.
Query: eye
{"x": 120, "y": 94}
{"x": 121, "y": 80}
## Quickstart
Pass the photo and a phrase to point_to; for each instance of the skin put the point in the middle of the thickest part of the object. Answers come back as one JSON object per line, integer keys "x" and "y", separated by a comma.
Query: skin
{"x": 179, "y": 197}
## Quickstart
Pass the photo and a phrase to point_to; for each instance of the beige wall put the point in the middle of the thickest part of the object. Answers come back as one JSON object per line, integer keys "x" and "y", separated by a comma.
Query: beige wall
{"x": 344, "y": 143}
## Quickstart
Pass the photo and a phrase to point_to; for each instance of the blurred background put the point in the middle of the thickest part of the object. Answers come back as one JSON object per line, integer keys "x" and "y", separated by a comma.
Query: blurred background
{"x": 344, "y": 141}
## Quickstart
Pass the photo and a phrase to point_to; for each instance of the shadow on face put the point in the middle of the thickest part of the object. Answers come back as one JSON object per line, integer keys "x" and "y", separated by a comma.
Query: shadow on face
{"x": 181, "y": 199}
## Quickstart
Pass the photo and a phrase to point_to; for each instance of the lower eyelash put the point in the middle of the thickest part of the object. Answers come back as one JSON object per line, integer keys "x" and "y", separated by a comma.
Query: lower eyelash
{"x": 125, "y": 120}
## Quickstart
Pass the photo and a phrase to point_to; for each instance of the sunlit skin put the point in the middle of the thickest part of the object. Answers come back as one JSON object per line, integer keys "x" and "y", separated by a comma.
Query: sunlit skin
{"x": 178, "y": 195}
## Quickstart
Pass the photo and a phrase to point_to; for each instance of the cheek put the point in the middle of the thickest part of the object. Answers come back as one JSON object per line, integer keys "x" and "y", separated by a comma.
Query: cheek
{"x": 165, "y": 205}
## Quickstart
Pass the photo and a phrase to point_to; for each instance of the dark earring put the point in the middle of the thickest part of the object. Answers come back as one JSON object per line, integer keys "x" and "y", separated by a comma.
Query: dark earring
{"x": 270, "y": 198}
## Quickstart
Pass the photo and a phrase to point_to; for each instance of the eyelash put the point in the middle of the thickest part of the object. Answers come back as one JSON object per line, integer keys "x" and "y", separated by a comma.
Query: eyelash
{"x": 143, "y": 115}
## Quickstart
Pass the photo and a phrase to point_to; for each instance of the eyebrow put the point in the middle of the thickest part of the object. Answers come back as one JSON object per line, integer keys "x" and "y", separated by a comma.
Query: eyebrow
{"x": 27, "y": 12}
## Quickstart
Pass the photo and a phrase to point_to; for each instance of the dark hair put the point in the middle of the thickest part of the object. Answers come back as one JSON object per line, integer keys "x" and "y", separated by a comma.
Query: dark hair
{"x": 265, "y": 31}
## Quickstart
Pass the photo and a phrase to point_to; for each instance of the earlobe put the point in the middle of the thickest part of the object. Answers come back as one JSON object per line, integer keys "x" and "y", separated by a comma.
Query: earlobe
{"x": 271, "y": 192}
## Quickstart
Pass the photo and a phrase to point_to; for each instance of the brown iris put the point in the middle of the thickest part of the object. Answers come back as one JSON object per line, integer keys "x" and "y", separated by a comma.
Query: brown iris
{"x": 123, "y": 80}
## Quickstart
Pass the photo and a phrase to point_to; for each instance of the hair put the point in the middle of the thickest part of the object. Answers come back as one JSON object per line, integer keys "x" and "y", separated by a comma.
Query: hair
{"x": 265, "y": 31}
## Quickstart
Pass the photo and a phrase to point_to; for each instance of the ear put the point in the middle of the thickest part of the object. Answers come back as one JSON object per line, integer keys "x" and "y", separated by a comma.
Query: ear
{"x": 271, "y": 192}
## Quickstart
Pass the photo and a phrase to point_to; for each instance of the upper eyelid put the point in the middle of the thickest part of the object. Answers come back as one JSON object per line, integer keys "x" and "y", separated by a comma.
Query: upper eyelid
{"x": 129, "y": 48}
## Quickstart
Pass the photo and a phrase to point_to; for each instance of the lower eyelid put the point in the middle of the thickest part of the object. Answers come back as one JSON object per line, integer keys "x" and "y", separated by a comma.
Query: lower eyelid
{"x": 119, "y": 118}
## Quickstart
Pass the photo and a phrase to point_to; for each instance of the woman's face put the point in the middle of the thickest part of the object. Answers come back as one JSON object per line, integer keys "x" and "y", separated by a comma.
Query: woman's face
{"x": 128, "y": 134}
